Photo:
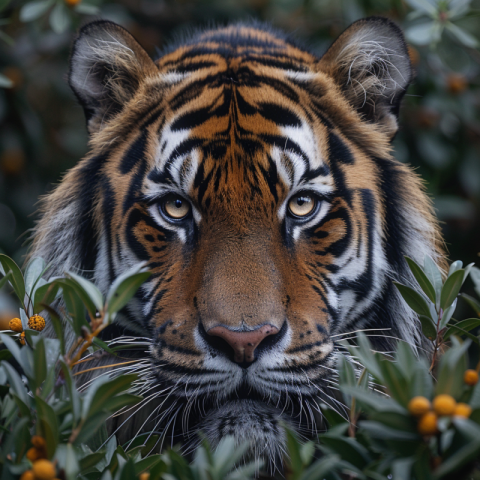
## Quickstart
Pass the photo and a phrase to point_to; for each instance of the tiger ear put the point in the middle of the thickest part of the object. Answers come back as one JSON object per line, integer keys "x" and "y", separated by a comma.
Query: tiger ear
{"x": 107, "y": 66}
{"x": 370, "y": 63}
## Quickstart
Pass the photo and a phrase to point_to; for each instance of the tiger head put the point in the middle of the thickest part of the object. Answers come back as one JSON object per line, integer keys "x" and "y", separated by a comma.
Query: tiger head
{"x": 256, "y": 181}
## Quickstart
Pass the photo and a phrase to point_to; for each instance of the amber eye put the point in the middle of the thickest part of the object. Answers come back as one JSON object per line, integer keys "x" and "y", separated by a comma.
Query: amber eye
{"x": 302, "y": 204}
{"x": 175, "y": 207}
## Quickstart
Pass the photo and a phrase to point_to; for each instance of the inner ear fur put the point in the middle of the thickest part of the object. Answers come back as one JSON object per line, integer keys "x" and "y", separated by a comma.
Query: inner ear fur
{"x": 370, "y": 63}
{"x": 106, "y": 67}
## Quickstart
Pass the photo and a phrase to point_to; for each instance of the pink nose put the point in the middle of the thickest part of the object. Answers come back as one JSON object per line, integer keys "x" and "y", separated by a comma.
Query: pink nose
{"x": 243, "y": 343}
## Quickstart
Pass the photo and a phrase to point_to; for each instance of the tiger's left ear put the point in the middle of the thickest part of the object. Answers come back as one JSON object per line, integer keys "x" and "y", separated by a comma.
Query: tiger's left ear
{"x": 107, "y": 66}
{"x": 370, "y": 63}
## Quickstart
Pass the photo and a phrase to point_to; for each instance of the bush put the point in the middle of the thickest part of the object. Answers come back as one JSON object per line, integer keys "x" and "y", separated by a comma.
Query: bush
{"x": 408, "y": 417}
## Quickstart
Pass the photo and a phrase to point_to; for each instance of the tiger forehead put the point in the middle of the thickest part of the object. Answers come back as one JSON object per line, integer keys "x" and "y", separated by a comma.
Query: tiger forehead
{"x": 244, "y": 132}
{"x": 233, "y": 42}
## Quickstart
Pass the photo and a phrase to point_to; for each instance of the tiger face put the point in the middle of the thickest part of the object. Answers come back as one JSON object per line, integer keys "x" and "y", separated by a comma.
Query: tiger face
{"x": 256, "y": 181}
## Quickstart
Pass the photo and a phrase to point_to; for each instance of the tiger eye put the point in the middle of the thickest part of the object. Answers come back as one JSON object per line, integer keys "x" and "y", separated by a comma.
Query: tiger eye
{"x": 301, "y": 205}
{"x": 175, "y": 207}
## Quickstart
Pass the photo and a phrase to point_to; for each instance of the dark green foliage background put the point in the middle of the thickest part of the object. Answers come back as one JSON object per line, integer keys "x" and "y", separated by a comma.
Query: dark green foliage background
{"x": 42, "y": 130}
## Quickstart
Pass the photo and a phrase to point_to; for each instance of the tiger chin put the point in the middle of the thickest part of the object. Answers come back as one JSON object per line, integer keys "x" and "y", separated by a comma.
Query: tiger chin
{"x": 256, "y": 180}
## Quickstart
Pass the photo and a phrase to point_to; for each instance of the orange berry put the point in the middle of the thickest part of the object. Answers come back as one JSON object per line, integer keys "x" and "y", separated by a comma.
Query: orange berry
{"x": 144, "y": 476}
{"x": 72, "y": 3}
{"x": 15, "y": 324}
{"x": 12, "y": 161}
{"x": 22, "y": 338}
{"x": 33, "y": 454}
{"x": 38, "y": 441}
{"x": 27, "y": 475}
{"x": 456, "y": 83}
{"x": 43, "y": 470}
{"x": 427, "y": 425}
{"x": 462, "y": 410}
{"x": 36, "y": 322}
{"x": 414, "y": 55}
{"x": 419, "y": 406}
{"x": 470, "y": 377}
{"x": 444, "y": 404}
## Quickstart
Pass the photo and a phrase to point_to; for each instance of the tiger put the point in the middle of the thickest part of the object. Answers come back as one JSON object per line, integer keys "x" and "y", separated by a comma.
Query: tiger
{"x": 256, "y": 181}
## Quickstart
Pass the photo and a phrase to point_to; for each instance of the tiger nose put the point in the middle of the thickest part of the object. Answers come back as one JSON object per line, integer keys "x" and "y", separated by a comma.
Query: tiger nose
{"x": 243, "y": 344}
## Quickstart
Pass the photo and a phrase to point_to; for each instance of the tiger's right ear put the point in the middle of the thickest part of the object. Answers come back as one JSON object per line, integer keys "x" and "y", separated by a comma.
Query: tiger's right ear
{"x": 107, "y": 66}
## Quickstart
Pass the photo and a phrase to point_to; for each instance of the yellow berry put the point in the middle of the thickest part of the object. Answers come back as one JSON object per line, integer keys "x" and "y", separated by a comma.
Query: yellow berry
{"x": 144, "y": 476}
{"x": 470, "y": 377}
{"x": 38, "y": 441}
{"x": 43, "y": 470}
{"x": 419, "y": 406}
{"x": 462, "y": 410}
{"x": 27, "y": 475}
{"x": 427, "y": 425}
{"x": 444, "y": 404}
{"x": 22, "y": 338}
{"x": 15, "y": 324}
{"x": 33, "y": 454}
{"x": 36, "y": 322}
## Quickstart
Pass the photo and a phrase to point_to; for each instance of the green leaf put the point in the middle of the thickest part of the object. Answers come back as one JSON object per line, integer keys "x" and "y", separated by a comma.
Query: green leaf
{"x": 147, "y": 463}
{"x": 372, "y": 401}
{"x": 89, "y": 461}
{"x": 447, "y": 315}
{"x": 475, "y": 304}
{"x": 86, "y": 9}
{"x": 395, "y": 382}
{"x": 451, "y": 368}
{"x": 90, "y": 291}
{"x": 57, "y": 326}
{"x": 475, "y": 276}
{"x": 451, "y": 288}
{"x": 33, "y": 10}
{"x": 34, "y": 270}
{"x": 463, "y": 455}
{"x": 125, "y": 286}
{"x": 321, "y": 468}
{"x": 59, "y": 18}
{"x": 423, "y": 6}
{"x": 422, "y": 279}
{"x": 47, "y": 425}
{"x": 428, "y": 327}
{"x": 402, "y": 468}
{"x": 422, "y": 33}
{"x": 462, "y": 36}
{"x": 22, "y": 437}
{"x": 463, "y": 326}
{"x": 102, "y": 390}
{"x": 16, "y": 280}
{"x": 457, "y": 265}
{"x": 73, "y": 393}
{"x": 39, "y": 362}
{"x": 5, "y": 82}
{"x": 91, "y": 426}
{"x": 45, "y": 294}
{"x": 75, "y": 306}
{"x": 22, "y": 356}
{"x": 433, "y": 273}
{"x": 455, "y": 330}
{"x": 119, "y": 401}
{"x": 379, "y": 431}
{"x": 348, "y": 448}
{"x": 6, "y": 277}
{"x": 72, "y": 467}
{"x": 414, "y": 300}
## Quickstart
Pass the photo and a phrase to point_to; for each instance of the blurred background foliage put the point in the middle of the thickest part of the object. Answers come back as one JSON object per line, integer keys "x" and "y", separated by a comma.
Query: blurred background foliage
{"x": 42, "y": 129}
